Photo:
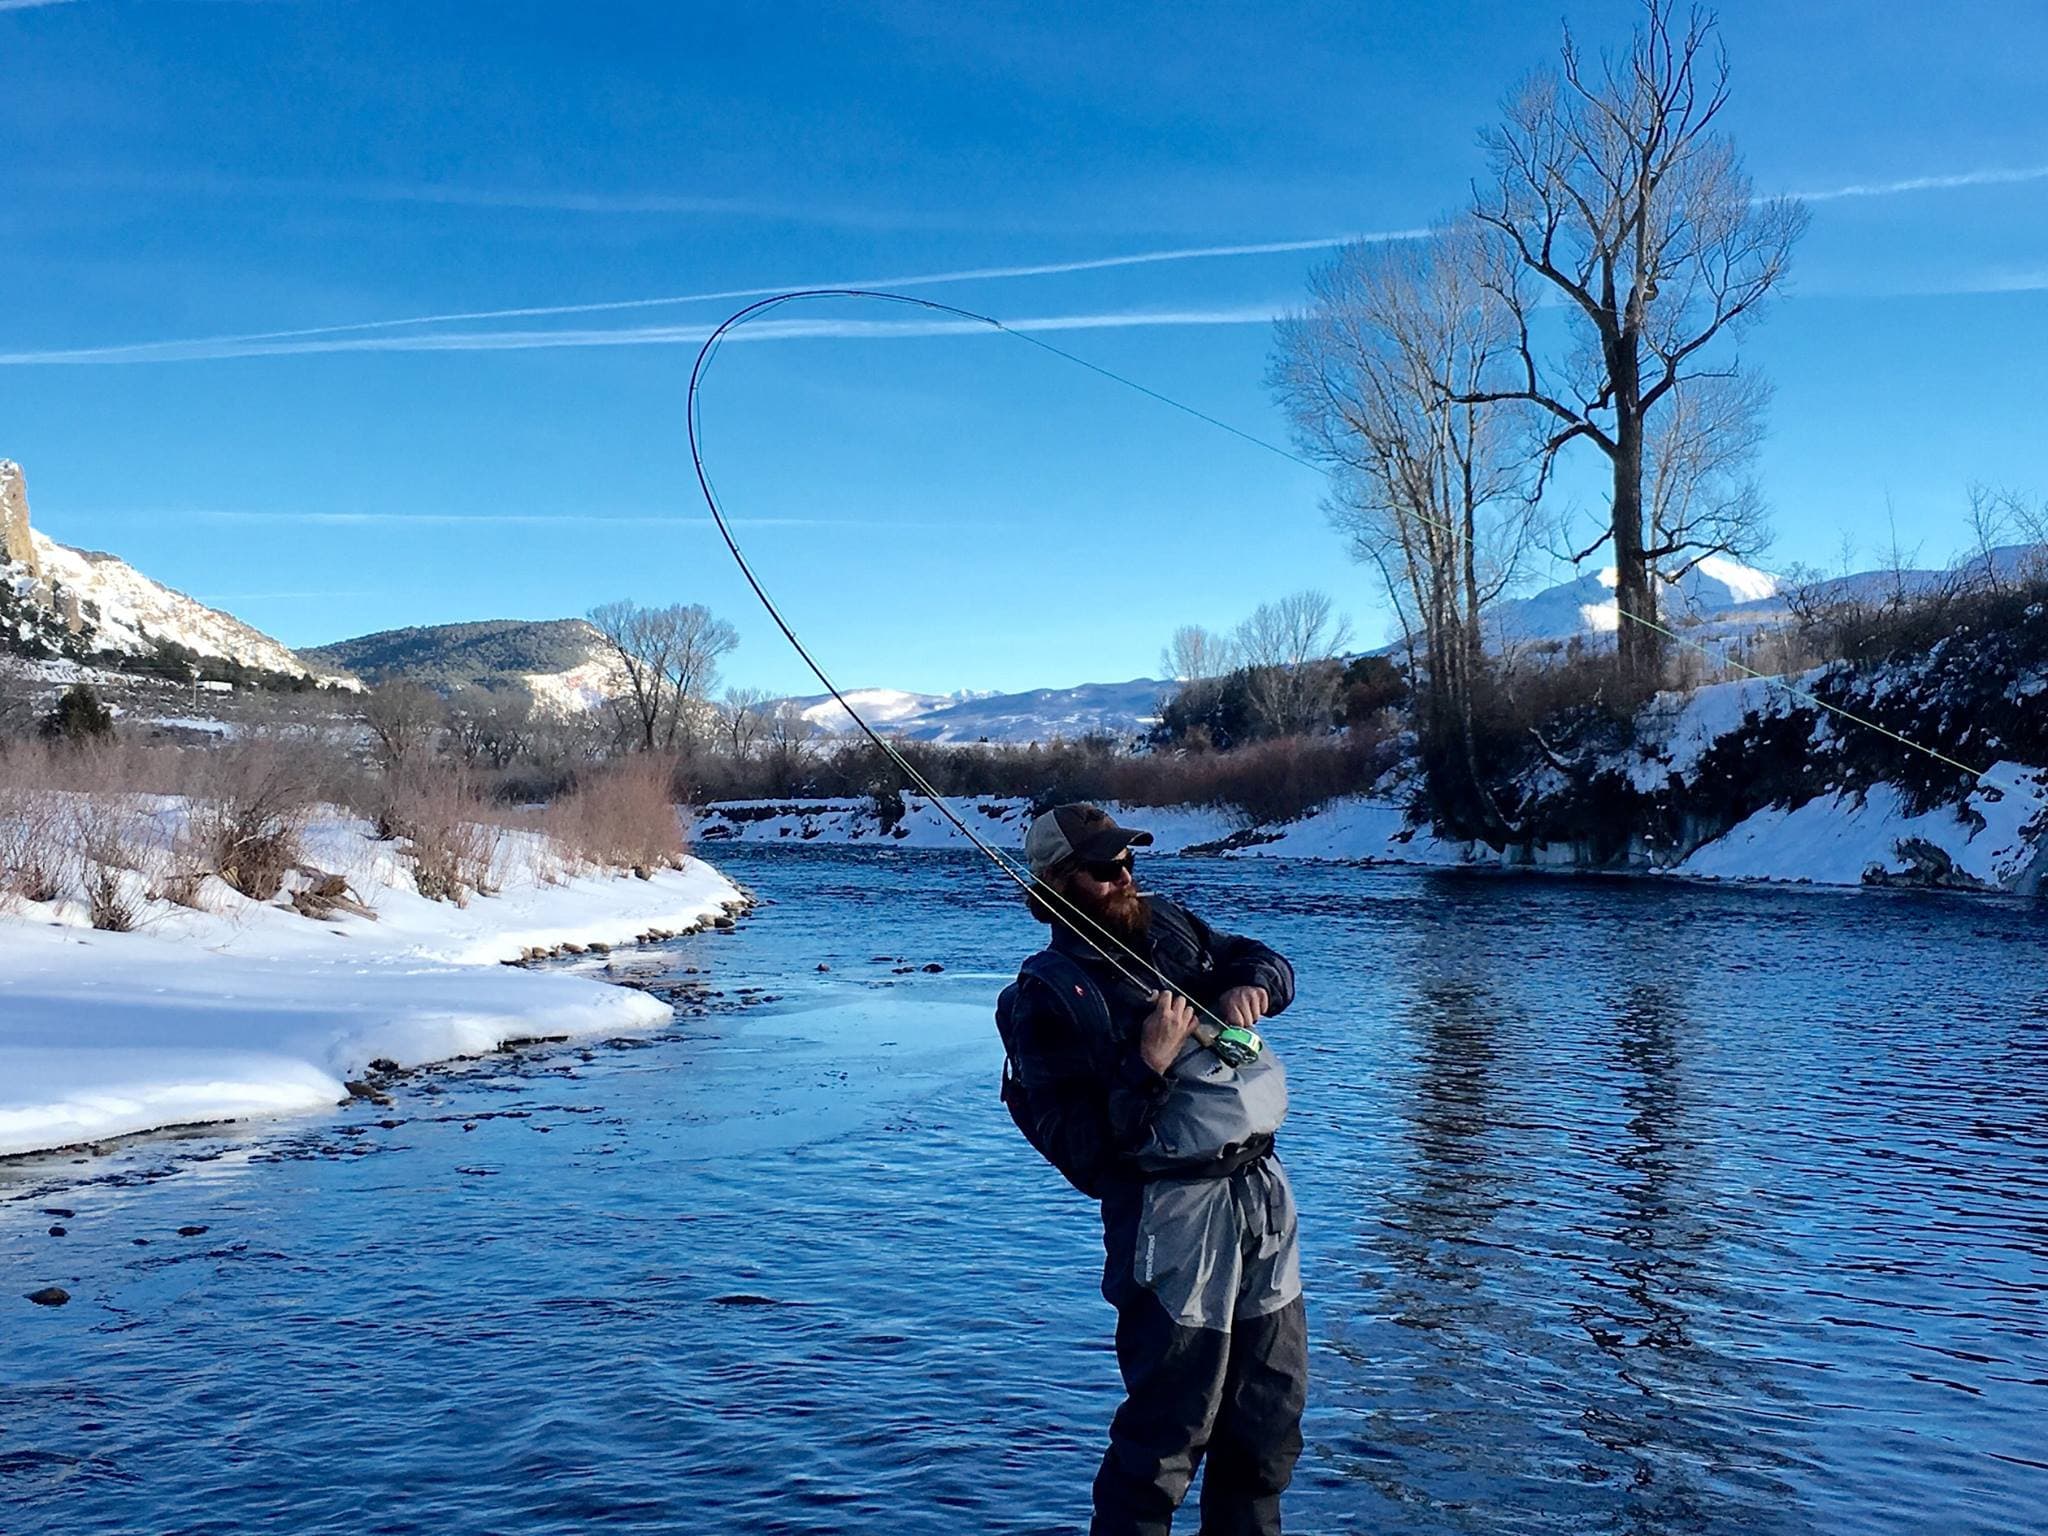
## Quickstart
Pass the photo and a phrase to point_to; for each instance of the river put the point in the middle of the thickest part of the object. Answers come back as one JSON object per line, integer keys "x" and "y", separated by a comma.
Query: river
{"x": 1627, "y": 1206}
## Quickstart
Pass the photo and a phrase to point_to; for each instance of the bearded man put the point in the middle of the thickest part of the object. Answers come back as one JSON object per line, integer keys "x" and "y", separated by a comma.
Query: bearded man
{"x": 1117, "y": 1073}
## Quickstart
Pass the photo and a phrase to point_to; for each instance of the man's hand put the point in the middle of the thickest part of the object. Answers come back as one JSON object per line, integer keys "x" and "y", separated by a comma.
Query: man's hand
{"x": 1243, "y": 1006}
{"x": 1167, "y": 1028}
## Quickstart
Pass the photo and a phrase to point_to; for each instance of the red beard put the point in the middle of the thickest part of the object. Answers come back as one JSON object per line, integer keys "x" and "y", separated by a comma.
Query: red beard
{"x": 1123, "y": 913}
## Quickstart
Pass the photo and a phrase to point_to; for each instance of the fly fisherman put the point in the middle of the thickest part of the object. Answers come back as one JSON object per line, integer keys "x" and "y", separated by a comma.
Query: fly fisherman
{"x": 1109, "y": 1078}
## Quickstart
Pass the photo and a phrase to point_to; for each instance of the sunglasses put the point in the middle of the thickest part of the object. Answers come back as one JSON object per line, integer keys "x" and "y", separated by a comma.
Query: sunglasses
{"x": 1107, "y": 871}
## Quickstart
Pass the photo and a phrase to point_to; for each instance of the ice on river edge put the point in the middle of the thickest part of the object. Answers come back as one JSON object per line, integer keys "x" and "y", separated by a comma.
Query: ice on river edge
{"x": 250, "y": 1009}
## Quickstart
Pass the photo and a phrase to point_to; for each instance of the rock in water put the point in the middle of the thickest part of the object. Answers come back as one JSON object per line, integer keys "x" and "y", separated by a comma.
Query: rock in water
{"x": 50, "y": 1296}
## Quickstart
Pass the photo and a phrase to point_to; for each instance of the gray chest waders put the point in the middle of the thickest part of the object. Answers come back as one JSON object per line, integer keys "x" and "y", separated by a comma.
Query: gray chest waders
{"x": 1215, "y": 1238}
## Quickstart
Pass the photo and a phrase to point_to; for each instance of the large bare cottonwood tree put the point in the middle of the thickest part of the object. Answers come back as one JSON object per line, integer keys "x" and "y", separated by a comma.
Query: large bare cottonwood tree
{"x": 1429, "y": 487}
{"x": 1616, "y": 198}
{"x": 668, "y": 662}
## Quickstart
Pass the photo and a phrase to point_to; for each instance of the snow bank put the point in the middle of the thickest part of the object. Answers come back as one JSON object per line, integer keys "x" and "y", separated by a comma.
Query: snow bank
{"x": 1992, "y": 839}
{"x": 1361, "y": 829}
{"x": 249, "y": 1008}
{"x": 1356, "y": 830}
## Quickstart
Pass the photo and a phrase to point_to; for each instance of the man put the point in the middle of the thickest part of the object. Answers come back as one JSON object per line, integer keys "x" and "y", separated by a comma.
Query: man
{"x": 1109, "y": 1078}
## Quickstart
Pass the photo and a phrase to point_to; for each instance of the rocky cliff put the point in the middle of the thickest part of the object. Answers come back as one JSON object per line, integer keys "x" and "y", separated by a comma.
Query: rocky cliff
{"x": 16, "y": 547}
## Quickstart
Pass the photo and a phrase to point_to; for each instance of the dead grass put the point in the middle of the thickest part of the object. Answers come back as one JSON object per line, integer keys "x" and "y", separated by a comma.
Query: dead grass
{"x": 450, "y": 839}
{"x": 621, "y": 816}
{"x": 32, "y": 830}
{"x": 250, "y": 802}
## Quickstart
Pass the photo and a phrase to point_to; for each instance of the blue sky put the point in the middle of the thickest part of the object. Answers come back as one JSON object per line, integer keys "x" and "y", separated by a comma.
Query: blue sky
{"x": 934, "y": 512}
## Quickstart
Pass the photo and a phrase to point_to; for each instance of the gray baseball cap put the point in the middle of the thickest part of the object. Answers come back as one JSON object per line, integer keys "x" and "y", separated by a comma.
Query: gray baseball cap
{"x": 1068, "y": 835}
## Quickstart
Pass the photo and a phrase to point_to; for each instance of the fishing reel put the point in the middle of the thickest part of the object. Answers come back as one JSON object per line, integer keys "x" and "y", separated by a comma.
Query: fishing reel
{"x": 1234, "y": 1046}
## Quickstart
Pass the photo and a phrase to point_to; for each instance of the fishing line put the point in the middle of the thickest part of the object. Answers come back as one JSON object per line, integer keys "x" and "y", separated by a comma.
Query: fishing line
{"x": 694, "y": 424}
{"x": 1103, "y": 941}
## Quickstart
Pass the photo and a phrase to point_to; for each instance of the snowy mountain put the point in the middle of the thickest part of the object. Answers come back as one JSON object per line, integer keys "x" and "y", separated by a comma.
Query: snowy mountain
{"x": 1586, "y": 607}
{"x": 880, "y": 707}
{"x": 1122, "y": 710}
{"x": 1721, "y": 597}
{"x": 60, "y": 601}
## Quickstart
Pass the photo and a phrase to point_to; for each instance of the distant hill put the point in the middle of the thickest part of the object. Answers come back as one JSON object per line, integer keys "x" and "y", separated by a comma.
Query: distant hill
{"x": 560, "y": 660}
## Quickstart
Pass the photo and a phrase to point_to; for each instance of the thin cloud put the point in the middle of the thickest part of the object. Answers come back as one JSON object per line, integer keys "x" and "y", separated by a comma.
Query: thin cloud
{"x": 30, "y": 5}
{"x": 646, "y": 336}
{"x": 138, "y": 351}
{"x": 1984, "y": 178}
{"x": 520, "y": 519}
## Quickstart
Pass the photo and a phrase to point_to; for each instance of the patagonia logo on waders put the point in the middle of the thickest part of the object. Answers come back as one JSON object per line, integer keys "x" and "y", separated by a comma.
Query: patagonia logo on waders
{"x": 1151, "y": 1255}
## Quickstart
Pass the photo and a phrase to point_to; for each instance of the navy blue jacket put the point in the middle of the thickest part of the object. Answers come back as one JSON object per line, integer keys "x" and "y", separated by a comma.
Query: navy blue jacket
{"x": 1088, "y": 1098}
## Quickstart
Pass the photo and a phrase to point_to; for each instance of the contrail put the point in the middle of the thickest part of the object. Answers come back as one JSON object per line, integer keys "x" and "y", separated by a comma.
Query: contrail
{"x": 139, "y": 352}
{"x": 638, "y": 336}
{"x": 518, "y": 519}
{"x": 1984, "y": 178}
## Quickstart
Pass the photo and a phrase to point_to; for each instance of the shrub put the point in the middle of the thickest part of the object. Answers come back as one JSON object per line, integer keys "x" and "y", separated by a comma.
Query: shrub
{"x": 250, "y": 804}
{"x": 621, "y": 816}
{"x": 79, "y": 716}
{"x": 449, "y": 839}
{"x": 106, "y": 847}
{"x": 32, "y": 830}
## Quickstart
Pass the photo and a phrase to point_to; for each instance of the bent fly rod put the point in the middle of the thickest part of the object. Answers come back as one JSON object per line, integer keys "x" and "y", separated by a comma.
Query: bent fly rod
{"x": 1112, "y": 949}
{"x": 1234, "y": 1046}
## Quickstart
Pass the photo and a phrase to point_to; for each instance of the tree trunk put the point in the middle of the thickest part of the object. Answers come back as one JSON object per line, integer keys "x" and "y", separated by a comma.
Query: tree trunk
{"x": 1639, "y": 649}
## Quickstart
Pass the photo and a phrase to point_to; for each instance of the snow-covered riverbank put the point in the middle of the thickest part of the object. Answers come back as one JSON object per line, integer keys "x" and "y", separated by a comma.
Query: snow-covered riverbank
{"x": 248, "y": 1008}
{"x": 1995, "y": 839}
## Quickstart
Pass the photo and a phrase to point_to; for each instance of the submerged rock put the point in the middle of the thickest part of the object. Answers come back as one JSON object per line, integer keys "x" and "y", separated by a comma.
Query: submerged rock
{"x": 50, "y": 1296}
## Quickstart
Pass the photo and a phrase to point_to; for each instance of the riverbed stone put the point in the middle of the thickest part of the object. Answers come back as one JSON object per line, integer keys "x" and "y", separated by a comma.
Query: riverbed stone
{"x": 50, "y": 1296}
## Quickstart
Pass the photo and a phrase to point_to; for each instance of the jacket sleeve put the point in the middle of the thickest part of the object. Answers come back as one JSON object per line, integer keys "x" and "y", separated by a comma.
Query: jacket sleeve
{"x": 1086, "y": 1119}
{"x": 1242, "y": 962}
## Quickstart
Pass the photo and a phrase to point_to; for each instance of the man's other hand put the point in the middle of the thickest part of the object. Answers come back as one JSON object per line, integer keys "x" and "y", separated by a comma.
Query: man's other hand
{"x": 1243, "y": 1006}
{"x": 1167, "y": 1028}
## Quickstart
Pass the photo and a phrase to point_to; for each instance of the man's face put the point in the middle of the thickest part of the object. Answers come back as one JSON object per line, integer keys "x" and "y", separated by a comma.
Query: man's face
{"x": 1107, "y": 891}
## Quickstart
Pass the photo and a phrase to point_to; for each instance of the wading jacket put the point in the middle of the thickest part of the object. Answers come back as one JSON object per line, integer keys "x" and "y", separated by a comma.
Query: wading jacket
{"x": 1085, "y": 1096}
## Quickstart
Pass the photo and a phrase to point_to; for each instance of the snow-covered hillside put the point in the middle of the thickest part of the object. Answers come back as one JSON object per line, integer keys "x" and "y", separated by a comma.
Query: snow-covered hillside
{"x": 122, "y": 610}
{"x": 60, "y": 600}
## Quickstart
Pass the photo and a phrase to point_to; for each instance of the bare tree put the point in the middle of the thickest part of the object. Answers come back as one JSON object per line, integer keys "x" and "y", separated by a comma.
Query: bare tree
{"x": 406, "y": 721}
{"x": 493, "y": 729}
{"x": 743, "y": 717}
{"x": 787, "y": 743}
{"x": 1195, "y": 655}
{"x": 669, "y": 660}
{"x": 1429, "y": 487}
{"x": 1615, "y": 194}
{"x": 1700, "y": 497}
{"x": 1288, "y": 650}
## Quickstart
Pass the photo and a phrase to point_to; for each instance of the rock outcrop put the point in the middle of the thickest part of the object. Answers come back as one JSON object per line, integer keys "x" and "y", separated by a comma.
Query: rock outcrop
{"x": 16, "y": 547}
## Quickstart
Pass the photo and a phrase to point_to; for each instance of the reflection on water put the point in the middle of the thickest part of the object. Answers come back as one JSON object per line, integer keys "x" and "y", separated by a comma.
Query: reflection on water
{"x": 1642, "y": 1209}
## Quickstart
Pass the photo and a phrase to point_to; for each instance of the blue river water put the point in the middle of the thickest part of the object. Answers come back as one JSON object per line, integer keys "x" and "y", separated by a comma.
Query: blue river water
{"x": 1627, "y": 1207}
